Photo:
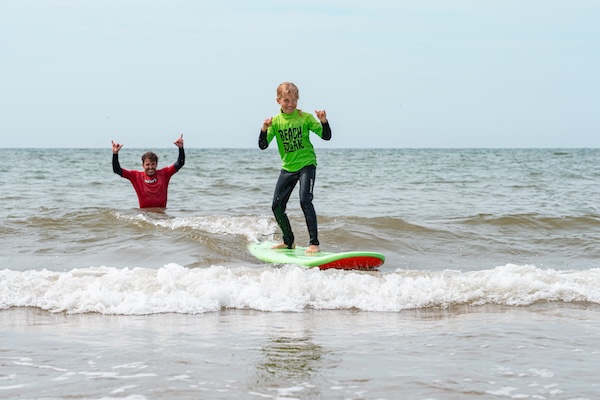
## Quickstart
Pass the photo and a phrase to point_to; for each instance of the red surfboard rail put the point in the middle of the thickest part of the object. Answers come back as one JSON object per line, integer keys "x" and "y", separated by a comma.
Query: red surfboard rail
{"x": 358, "y": 262}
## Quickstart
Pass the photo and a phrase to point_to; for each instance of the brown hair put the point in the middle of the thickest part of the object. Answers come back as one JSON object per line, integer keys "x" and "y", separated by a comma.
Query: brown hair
{"x": 150, "y": 155}
{"x": 286, "y": 89}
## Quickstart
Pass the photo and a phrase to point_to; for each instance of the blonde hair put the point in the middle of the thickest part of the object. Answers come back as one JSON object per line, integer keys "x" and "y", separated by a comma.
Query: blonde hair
{"x": 286, "y": 89}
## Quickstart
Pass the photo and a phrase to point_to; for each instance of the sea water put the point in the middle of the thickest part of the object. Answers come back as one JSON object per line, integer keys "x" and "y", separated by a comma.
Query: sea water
{"x": 490, "y": 289}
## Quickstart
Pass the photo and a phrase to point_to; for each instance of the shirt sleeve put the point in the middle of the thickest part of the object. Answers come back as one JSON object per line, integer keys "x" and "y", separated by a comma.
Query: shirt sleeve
{"x": 326, "y": 131}
{"x": 116, "y": 165}
{"x": 263, "y": 143}
{"x": 180, "y": 160}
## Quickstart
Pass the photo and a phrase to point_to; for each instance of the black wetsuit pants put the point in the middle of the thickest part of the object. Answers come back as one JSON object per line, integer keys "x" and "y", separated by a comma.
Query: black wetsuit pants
{"x": 285, "y": 185}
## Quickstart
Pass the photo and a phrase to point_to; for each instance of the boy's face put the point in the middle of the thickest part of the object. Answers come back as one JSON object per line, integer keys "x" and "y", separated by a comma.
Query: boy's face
{"x": 288, "y": 104}
{"x": 149, "y": 167}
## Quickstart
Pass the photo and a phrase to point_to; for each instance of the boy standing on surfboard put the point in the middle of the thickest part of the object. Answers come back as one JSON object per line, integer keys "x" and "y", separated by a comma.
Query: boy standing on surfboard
{"x": 291, "y": 127}
{"x": 152, "y": 184}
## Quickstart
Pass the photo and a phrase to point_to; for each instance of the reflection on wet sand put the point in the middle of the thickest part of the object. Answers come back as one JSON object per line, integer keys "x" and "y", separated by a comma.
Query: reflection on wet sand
{"x": 292, "y": 364}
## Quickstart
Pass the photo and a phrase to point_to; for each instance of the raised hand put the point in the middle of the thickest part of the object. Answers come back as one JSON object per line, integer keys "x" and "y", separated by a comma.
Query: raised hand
{"x": 267, "y": 124}
{"x": 322, "y": 115}
{"x": 116, "y": 147}
{"x": 179, "y": 142}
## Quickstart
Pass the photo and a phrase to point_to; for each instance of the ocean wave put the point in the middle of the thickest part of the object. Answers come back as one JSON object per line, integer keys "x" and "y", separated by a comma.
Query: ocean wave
{"x": 149, "y": 238}
{"x": 533, "y": 221}
{"x": 176, "y": 289}
{"x": 253, "y": 227}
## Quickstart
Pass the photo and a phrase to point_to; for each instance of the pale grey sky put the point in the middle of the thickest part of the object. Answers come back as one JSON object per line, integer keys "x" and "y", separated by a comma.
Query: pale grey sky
{"x": 390, "y": 74}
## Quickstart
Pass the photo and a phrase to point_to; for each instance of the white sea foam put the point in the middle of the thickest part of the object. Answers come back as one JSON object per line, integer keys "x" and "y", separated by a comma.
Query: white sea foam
{"x": 175, "y": 289}
{"x": 253, "y": 227}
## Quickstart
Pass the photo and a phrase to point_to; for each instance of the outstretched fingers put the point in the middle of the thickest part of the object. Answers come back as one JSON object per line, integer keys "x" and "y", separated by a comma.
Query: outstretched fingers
{"x": 116, "y": 147}
{"x": 322, "y": 115}
{"x": 179, "y": 142}
{"x": 267, "y": 123}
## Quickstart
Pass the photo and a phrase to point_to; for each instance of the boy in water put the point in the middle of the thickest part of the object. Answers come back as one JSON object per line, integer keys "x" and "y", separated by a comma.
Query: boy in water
{"x": 151, "y": 185}
{"x": 292, "y": 127}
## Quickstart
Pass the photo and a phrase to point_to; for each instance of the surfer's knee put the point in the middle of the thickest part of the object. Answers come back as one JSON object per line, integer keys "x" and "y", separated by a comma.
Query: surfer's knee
{"x": 276, "y": 206}
{"x": 306, "y": 202}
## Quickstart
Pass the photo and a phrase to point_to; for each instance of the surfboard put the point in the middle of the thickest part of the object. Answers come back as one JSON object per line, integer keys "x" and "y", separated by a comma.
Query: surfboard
{"x": 350, "y": 260}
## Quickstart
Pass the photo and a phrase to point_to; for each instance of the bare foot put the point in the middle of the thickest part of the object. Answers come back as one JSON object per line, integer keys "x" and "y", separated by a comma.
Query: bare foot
{"x": 313, "y": 248}
{"x": 283, "y": 246}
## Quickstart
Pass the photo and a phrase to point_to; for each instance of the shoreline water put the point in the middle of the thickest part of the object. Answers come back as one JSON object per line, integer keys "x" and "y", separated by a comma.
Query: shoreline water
{"x": 490, "y": 288}
{"x": 464, "y": 352}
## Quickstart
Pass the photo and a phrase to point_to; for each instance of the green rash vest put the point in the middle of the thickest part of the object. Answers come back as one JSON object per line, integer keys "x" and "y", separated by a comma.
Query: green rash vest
{"x": 292, "y": 133}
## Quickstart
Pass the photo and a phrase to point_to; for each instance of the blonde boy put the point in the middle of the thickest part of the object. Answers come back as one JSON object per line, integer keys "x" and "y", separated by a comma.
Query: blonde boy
{"x": 291, "y": 128}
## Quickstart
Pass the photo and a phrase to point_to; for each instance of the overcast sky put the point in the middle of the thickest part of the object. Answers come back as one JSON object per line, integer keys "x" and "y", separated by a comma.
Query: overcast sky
{"x": 389, "y": 73}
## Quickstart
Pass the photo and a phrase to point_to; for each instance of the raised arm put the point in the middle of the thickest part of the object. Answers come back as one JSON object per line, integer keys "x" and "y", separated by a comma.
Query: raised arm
{"x": 181, "y": 158}
{"x": 115, "y": 159}
{"x": 326, "y": 131}
{"x": 262, "y": 138}
{"x": 322, "y": 115}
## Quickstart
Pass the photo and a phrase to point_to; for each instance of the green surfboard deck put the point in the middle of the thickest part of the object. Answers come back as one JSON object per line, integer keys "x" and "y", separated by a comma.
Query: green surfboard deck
{"x": 361, "y": 260}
